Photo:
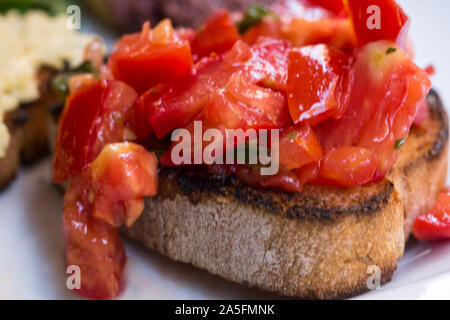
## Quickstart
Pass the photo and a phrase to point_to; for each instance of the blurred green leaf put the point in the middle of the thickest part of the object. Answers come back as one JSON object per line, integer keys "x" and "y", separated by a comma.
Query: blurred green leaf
{"x": 53, "y": 7}
{"x": 254, "y": 14}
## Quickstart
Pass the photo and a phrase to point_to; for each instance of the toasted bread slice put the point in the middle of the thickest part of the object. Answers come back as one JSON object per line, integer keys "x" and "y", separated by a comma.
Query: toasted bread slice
{"x": 319, "y": 243}
{"x": 28, "y": 129}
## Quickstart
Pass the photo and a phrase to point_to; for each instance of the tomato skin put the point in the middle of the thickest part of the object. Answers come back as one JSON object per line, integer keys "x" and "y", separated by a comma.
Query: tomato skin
{"x": 127, "y": 177}
{"x": 149, "y": 58}
{"x": 102, "y": 198}
{"x": 313, "y": 83}
{"x": 217, "y": 35}
{"x": 348, "y": 166}
{"x": 394, "y": 22}
{"x": 435, "y": 225}
{"x": 298, "y": 147}
{"x": 92, "y": 117}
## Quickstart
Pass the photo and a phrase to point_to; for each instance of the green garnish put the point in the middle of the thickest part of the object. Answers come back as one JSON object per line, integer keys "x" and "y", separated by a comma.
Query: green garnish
{"x": 292, "y": 135}
{"x": 60, "y": 82}
{"x": 254, "y": 14}
{"x": 391, "y": 50}
{"x": 399, "y": 143}
{"x": 52, "y": 7}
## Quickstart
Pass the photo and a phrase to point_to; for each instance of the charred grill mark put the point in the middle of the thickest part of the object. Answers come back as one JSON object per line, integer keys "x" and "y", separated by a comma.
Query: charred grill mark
{"x": 438, "y": 112}
{"x": 303, "y": 205}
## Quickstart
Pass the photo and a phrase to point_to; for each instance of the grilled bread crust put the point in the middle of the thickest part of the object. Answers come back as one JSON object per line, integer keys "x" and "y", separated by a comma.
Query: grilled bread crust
{"x": 322, "y": 243}
{"x": 28, "y": 129}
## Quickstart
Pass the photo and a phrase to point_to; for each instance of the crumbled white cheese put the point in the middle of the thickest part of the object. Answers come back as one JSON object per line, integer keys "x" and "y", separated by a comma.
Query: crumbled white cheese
{"x": 28, "y": 42}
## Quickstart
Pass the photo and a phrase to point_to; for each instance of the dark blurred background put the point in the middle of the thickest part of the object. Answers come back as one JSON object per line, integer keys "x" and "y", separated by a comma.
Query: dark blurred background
{"x": 128, "y": 15}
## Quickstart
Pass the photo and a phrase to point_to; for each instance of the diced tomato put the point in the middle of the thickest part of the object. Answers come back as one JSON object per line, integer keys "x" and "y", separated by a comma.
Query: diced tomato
{"x": 216, "y": 82}
{"x": 123, "y": 172}
{"x": 335, "y": 6}
{"x": 308, "y": 174}
{"x": 105, "y": 196}
{"x": 430, "y": 70}
{"x": 92, "y": 117}
{"x": 146, "y": 59}
{"x": 217, "y": 35}
{"x": 393, "y": 22}
{"x": 268, "y": 27}
{"x": 435, "y": 225}
{"x": 92, "y": 245}
{"x": 298, "y": 147}
{"x": 176, "y": 105}
{"x": 287, "y": 181}
{"x": 348, "y": 166}
{"x": 245, "y": 105}
{"x": 382, "y": 91}
{"x": 313, "y": 81}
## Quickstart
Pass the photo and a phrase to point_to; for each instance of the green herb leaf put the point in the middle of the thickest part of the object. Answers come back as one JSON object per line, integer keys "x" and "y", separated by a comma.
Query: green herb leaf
{"x": 52, "y": 7}
{"x": 399, "y": 143}
{"x": 60, "y": 83}
{"x": 391, "y": 50}
{"x": 254, "y": 14}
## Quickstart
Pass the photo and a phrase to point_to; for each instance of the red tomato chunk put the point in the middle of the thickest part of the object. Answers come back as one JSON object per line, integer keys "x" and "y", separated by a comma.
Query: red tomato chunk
{"x": 435, "y": 225}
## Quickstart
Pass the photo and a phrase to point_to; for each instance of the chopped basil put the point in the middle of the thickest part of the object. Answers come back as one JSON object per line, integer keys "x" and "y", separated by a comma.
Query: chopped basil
{"x": 399, "y": 143}
{"x": 60, "y": 82}
{"x": 254, "y": 14}
{"x": 391, "y": 50}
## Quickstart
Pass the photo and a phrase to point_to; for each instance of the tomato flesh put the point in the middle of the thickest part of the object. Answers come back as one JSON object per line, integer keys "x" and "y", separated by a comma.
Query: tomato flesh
{"x": 93, "y": 116}
{"x": 393, "y": 21}
{"x": 348, "y": 166}
{"x": 102, "y": 198}
{"x": 217, "y": 35}
{"x": 298, "y": 147}
{"x": 435, "y": 225}
{"x": 146, "y": 59}
{"x": 314, "y": 75}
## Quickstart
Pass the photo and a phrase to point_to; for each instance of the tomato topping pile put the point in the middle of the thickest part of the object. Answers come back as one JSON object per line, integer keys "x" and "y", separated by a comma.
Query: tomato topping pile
{"x": 106, "y": 195}
{"x": 435, "y": 225}
{"x": 146, "y": 59}
{"x": 343, "y": 97}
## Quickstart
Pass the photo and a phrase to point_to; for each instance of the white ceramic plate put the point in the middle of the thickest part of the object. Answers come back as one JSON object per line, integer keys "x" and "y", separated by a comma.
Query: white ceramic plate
{"x": 31, "y": 247}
